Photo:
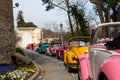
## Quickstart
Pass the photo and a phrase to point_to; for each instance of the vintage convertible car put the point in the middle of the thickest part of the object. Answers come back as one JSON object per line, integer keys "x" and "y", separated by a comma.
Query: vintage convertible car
{"x": 30, "y": 46}
{"x": 42, "y": 47}
{"x": 52, "y": 49}
{"x": 60, "y": 52}
{"x": 102, "y": 62}
{"x": 77, "y": 46}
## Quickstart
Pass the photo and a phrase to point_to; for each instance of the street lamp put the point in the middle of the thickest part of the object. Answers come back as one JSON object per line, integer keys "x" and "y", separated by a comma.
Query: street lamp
{"x": 61, "y": 26}
{"x": 16, "y": 5}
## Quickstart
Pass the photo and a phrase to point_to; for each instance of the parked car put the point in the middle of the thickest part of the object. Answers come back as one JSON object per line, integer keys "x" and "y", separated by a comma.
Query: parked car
{"x": 60, "y": 52}
{"x": 52, "y": 49}
{"x": 42, "y": 47}
{"x": 77, "y": 46}
{"x": 30, "y": 46}
{"x": 102, "y": 62}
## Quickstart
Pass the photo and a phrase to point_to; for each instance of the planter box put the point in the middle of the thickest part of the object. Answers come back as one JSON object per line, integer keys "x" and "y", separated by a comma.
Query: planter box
{"x": 6, "y": 67}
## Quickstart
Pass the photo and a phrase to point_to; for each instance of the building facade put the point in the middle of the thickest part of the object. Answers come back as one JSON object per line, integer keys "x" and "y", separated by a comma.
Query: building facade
{"x": 28, "y": 35}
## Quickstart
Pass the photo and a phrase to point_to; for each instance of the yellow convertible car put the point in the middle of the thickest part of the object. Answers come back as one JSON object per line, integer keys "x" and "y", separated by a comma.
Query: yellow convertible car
{"x": 77, "y": 46}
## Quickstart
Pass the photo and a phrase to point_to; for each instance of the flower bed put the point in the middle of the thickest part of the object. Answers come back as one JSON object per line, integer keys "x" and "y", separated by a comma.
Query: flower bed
{"x": 20, "y": 73}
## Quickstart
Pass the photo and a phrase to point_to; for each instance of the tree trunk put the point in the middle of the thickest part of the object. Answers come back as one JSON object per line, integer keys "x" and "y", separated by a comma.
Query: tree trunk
{"x": 69, "y": 18}
{"x": 107, "y": 19}
{"x": 7, "y": 38}
{"x": 114, "y": 15}
{"x": 103, "y": 18}
{"x": 99, "y": 7}
{"x": 77, "y": 28}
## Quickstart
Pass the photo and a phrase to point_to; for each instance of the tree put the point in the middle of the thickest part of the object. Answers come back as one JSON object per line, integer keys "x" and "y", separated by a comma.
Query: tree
{"x": 51, "y": 30}
{"x": 105, "y": 7}
{"x": 20, "y": 19}
{"x": 49, "y": 33}
{"x": 71, "y": 8}
{"x": 62, "y": 4}
{"x": 79, "y": 17}
{"x": 114, "y": 6}
{"x": 22, "y": 23}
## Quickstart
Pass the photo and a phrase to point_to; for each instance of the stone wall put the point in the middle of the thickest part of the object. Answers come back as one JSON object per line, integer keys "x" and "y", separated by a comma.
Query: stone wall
{"x": 7, "y": 45}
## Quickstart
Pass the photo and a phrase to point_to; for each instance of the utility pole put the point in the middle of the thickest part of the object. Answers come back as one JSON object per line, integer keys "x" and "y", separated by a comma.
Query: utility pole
{"x": 42, "y": 36}
{"x": 61, "y": 27}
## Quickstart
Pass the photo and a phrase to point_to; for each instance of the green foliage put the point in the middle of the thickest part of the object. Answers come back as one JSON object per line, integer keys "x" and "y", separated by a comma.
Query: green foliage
{"x": 49, "y": 4}
{"x": 111, "y": 3}
{"x": 22, "y": 23}
{"x": 78, "y": 15}
{"x": 29, "y": 24}
{"x": 114, "y": 6}
{"x": 67, "y": 35}
{"x": 19, "y": 50}
{"x": 20, "y": 16}
{"x": 71, "y": 7}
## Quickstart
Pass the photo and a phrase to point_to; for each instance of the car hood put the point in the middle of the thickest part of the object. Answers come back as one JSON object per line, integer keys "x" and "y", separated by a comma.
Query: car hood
{"x": 79, "y": 50}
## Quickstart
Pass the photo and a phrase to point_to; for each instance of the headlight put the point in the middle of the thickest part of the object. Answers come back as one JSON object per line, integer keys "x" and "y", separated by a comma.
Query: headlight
{"x": 74, "y": 58}
{"x": 86, "y": 52}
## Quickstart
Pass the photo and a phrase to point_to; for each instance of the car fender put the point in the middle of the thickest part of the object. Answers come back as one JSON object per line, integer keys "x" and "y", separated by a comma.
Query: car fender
{"x": 85, "y": 67}
{"x": 57, "y": 52}
{"x": 65, "y": 53}
{"x": 69, "y": 56}
{"x": 111, "y": 68}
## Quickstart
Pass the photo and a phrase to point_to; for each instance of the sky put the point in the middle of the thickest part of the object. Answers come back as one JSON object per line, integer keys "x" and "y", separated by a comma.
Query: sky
{"x": 34, "y": 11}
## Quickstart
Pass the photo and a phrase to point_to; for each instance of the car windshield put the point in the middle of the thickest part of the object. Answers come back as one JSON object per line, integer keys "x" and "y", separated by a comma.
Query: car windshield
{"x": 44, "y": 45}
{"x": 79, "y": 41}
{"x": 82, "y": 43}
{"x": 55, "y": 44}
{"x": 113, "y": 33}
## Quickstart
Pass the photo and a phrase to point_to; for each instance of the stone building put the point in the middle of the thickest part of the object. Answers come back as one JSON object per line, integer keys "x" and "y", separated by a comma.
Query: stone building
{"x": 28, "y": 35}
{"x": 7, "y": 45}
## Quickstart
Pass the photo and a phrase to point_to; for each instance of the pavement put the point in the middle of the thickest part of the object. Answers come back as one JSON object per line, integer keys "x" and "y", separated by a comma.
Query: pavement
{"x": 38, "y": 75}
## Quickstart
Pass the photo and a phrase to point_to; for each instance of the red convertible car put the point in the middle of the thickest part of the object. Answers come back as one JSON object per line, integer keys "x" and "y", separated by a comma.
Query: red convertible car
{"x": 102, "y": 61}
{"x": 30, "y": 46}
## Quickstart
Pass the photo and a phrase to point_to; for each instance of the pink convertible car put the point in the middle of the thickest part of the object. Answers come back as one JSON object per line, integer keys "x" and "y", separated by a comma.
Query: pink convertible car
{"x": 52, "y": 49}
{"x": 102, "y": 61}
{"x": 60, "y": 52}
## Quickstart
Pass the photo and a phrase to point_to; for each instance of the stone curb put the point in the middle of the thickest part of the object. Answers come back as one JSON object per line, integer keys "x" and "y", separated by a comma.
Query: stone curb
{"x": 36, "y": 73}
{"x": 40, "y": 71}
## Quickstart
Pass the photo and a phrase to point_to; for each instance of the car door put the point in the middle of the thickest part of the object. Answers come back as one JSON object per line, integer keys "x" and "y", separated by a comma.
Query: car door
{"x": 98, "y": 56}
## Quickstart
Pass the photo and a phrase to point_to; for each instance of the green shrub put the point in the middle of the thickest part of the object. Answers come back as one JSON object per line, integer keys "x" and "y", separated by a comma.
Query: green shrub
{"x": 19, "y": 50}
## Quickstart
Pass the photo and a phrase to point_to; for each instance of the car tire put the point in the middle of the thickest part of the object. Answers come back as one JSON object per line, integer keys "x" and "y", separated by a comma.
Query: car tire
{"x": 51, "y": 54}
{"x": 103, "y": 76}
{"x": 61, "y": 57}
{"x": 68, "y": 67}
{"x": 79, "y": 71}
